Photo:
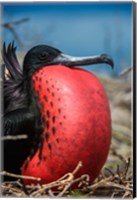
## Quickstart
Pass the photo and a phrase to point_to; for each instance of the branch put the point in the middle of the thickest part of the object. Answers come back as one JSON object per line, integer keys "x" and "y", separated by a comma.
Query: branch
{"x": 16, "y": 137}
{"x": 4, "y": 173}
{"x": 10, "y": 27}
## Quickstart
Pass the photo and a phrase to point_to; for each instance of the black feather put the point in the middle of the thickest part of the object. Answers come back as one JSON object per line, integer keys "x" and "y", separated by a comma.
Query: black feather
{"x": 12, "y": 64}
{"x": 21, "y": 112}
{"x": 14, "y": 95}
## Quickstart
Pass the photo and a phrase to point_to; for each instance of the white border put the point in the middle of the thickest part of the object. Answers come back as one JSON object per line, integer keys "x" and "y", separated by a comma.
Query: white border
{"x": 30, "y": 1}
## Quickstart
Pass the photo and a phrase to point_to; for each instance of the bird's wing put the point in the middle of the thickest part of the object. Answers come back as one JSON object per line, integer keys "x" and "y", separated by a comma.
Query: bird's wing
{"x": 12, "y": 75}
{"x": 17, "y": 114}
{"x": 19, "y": 121}
{"x": 11, "y": 61}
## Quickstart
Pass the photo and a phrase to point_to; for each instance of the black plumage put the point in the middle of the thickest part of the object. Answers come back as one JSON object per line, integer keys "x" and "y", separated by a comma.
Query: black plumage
{"x": 21, "y": 114}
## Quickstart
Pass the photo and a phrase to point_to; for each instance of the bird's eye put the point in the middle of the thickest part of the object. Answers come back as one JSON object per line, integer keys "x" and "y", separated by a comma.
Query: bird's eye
{"x": 43, "y": 55}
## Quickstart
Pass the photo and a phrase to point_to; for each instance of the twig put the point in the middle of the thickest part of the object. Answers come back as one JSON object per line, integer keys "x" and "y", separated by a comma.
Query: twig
{"x": 107, "y": 183}
{"x": 99, "y": 184}
{"x": 16, "y": 137}
{"x": 11, "y": 28}
{"x": 110, "y": 171}
{"x": 118, "y": 171}
{"x": 64, "y": 190}
{"x": 111, "y": 184}
{"x": 77, "y": 168}
{"x": 81, "y": 179}
{"x": 118, "y": 155}
{"x": 127, "y": 167}
{"x": 63, "y": 181}
{"x": 125, "y": 71}
{"x": 4, "y": 173}
{"x": 70, "y": 180}
{"x": 51, "y": 193}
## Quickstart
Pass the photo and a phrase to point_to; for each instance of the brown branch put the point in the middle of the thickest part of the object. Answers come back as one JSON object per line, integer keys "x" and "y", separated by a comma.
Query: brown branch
{"x": 77, "y": 168}
{"x": 4, "y": 173}
{"x": 11, "y": 28}
{"x": 127, "y": 167}
{"x": 126, "y": 71}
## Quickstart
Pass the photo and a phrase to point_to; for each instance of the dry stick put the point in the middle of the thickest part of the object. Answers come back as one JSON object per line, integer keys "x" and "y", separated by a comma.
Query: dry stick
{"x": 71, "y": 175}
{"x": 100, "y": 183}
{"x": 37, "y": 193}
{"x": 13, "y": 190}
{"x": 127, "y": 167}
{"x": 64, "y": 190}
{"x": 113, "y": 194}
{"x": 106, "y": 183}
{"x": 118, "y": 186}
{"x": 51, "y": 193}
{"x": 126, "y": 193}
{"x": 84, "y": 177}
{"x": 126, "y": 71}
{"x": 118, "y": 171}
{"x": 77, "y": 168}
{"x": 11, "y": 137}
{"x": 69, "y": 183}
{"x": 65, "y": 177}
{"x": 118, "y": 155}
{"x": 110, "y": 171}
{"x": 45, "y": 187}
{"x": 19, "y": 176}
{"x": 60, "y": 182}
{"x": 119, "y": 175}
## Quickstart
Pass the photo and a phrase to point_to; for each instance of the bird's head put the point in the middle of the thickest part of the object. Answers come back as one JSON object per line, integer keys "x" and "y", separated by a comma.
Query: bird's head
{"x": 44, "y": 55}
{"x": 39, "y": 56}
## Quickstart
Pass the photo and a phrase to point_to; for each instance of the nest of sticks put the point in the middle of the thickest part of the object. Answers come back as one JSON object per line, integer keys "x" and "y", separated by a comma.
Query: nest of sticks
{"x": 116, "y": 183}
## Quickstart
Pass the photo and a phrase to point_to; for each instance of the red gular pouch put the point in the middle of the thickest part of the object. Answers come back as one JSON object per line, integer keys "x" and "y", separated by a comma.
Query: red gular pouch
{"x": 76, "y": 124}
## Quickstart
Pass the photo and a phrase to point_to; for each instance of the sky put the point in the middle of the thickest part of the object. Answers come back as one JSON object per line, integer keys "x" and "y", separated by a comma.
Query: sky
{"x": 77, "y": 29}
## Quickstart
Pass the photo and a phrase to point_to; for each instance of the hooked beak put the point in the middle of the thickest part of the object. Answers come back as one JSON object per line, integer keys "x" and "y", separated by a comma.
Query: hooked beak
{"x": 71, "y": 61}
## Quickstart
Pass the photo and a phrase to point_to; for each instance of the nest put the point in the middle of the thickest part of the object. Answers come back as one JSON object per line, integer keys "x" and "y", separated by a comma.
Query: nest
{"x": 116, "y": 183}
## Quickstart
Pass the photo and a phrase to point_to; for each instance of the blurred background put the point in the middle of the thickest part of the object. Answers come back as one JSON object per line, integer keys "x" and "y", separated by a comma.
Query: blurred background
{"x": 78, "y": 29}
